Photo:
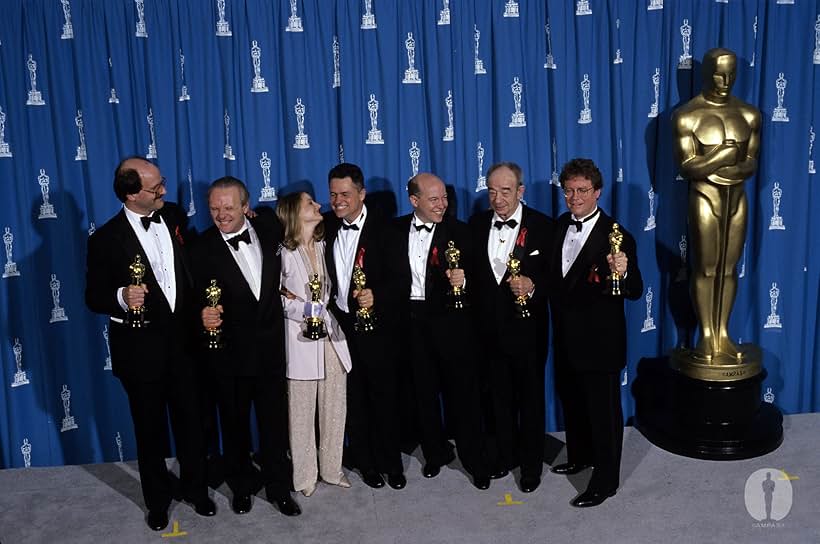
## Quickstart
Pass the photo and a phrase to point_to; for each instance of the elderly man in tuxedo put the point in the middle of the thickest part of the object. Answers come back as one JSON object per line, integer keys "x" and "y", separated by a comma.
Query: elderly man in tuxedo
{"x": 440, "y": 339}
{"x": 514, "y": 341}
{"x": 590, "y": 330}
{"x": 358, "y": 237}
{"x": 152, "y": 362}
{"x": 240, "y": 254}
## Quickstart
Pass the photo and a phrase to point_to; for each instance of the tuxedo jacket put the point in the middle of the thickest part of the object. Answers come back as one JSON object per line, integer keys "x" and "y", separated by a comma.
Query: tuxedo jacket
{"x": 375, "y": 247}
{"x": 494, "y": 303}
{"x": 149, "y": 353}
{"x": 436, "y": 284}
{"x": 589, "y": 323}
{"x": 252, "y": 330}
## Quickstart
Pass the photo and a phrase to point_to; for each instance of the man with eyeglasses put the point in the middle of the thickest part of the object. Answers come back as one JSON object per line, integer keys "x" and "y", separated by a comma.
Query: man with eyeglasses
{"x": 589, "y": 330}
{"x": 514, "y": 349}
{"x": 152, "y": 362}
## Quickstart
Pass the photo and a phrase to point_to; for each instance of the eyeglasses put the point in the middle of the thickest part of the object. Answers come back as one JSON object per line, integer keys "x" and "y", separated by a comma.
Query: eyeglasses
{"x": 155, "y": 191}
{"x": 580, "y": 192}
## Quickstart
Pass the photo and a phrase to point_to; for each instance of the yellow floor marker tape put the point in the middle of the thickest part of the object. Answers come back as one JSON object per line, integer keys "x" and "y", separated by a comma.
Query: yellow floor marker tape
{"x": 508, "y": 500}
{"x": 176, "y": 531}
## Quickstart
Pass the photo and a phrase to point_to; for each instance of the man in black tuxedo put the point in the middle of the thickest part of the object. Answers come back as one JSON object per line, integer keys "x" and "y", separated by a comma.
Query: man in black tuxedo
{"x": 241, "y": 255}
{"x": 153, "y": 363}
{"x": 590, "y": 330}
{"x": 357, "y": 237}
{"x": 440, "y": 339}
{"x": 514, "y": 348}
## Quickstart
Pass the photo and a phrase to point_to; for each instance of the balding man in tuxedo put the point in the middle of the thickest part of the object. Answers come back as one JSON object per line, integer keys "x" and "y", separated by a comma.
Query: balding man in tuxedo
{"x": 153, "y": 362}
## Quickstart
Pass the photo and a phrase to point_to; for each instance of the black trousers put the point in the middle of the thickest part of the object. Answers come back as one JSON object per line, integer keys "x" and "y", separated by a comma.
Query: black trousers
{"x": 372, "y": 424}
{"x": 151, "y": 403}
{"x": 444, "y": 365}
{"x": 594, "y": 423}
{"x": 516, "y": 384}
{"x": 268, "y": 395}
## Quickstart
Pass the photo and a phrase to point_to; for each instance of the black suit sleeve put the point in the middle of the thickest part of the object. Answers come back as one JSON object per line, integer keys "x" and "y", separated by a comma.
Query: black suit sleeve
{"x": 103, "y": 279}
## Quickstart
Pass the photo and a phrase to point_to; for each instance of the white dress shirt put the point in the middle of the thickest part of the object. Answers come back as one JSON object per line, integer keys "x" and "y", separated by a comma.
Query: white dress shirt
{"x": 418, "y": 246}
{"x": 248, "y": 257}
{"x": 344, "y": 257}
{"x": 158, "y": 247}
{"x": 574, "y": 240}
{"x": 501, "y": 242}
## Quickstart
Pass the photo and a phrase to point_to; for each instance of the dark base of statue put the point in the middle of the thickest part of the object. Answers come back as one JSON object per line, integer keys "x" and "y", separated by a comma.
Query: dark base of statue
{"x": 365, "y": 321}
{"x": 315, "y": 328}
{"x": 521, "y": 311}
{"x": 135, "y": 318}
{"x": 213, "y": 339}
{"x": 456, "y": 301}
{"x": 704, "y": 419}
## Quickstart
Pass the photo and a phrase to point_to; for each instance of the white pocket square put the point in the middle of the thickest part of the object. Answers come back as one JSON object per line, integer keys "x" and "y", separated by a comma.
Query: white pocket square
{"x": 534, "y": 253}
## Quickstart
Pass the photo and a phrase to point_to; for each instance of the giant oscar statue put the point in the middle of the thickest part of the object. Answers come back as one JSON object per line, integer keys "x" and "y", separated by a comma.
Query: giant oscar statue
{"x": 716, "y": 410}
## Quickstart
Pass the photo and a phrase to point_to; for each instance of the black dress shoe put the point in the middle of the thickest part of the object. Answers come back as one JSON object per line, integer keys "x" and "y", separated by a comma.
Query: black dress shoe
{"x": 591, "y": 498}
{"x": 157, "y": 520}
{"x": 499, "y": 474}
{"x": 205, "y": 507}
{"x": 397, "y": 480}
{"x": 481, "y": 481}
{"x": 431, "y": 470}
{"x": 288, "y": 506}
{"x": 241, "y": 504}
{"x": 373, "y": 479}
{"x": 530, "y": 483}
{"x": 568, "y": 468}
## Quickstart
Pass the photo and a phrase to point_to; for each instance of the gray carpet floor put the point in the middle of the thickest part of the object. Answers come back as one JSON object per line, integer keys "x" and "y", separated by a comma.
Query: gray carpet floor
{"x": 663, "y": 498}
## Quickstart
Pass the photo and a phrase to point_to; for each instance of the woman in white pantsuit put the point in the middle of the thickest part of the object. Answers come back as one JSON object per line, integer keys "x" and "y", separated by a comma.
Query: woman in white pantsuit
{"x": 316, "y": 369}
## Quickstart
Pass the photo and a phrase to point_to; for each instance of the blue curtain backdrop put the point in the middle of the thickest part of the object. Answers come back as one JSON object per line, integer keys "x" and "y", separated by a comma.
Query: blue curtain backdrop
{"x": 514, "y": 73}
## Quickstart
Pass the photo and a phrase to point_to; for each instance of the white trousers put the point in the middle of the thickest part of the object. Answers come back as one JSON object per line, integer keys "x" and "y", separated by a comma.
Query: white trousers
{"x": 330, "y": 396}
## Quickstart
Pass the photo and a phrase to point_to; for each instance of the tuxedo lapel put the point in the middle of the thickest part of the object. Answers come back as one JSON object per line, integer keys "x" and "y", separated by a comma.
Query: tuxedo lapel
{"x": 332, "y": 225}
{"x": 270, "y": 275}
{"x": 435, "y": 259}
{"x": 231, "y": 272}
{"x": 588, "y": 257}
{"x": 481, "y": 249}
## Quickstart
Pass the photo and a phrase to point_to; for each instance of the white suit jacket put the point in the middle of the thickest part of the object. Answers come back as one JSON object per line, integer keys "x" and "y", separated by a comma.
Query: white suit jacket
{"x": 306, "y": 358}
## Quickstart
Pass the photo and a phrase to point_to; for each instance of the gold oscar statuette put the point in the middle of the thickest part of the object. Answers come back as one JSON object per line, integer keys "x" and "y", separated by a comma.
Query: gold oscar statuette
{"x": 455, "y": 297}
{"x": 313, "y": 311}
{"x": 213, "y": 334}
{"x": 135, "y": 318}
{"x": 616, "y": 238}
{"x": 365, "y": 317}
{"x": 716, "y": 141}
{"x": 514, "y": 268}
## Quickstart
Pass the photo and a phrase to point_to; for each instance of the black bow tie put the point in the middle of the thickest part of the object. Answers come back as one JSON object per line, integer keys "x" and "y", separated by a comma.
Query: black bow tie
{"x": 148, "y": 219}
{"x": 512, "y": 223}
{"x": 422, "y": 226}
{"x": 244, "y": 237}
{"x": 579, "y": 224}
{"x": 345, "y": 226}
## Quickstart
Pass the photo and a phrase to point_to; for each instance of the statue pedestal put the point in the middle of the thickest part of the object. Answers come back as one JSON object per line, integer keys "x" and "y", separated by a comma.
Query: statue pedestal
{"x": 704, "y": 419}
